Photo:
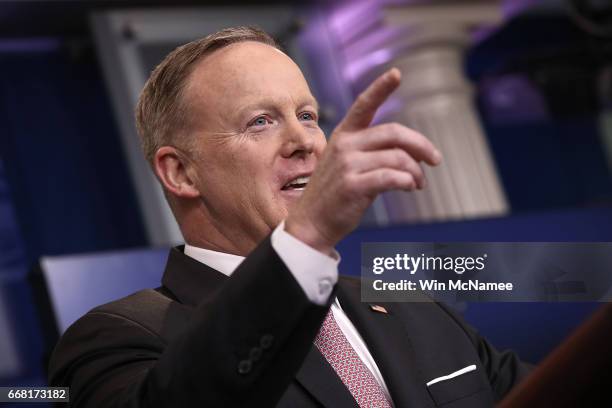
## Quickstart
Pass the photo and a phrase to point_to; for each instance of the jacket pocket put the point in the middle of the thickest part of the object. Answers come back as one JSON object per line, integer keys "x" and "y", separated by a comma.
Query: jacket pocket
{"x": 459, "y": 384}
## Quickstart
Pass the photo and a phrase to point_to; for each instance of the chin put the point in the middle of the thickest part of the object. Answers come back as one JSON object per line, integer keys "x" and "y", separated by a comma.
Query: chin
{"x": 284, "y": 202}
{"x": 284, "y": 205}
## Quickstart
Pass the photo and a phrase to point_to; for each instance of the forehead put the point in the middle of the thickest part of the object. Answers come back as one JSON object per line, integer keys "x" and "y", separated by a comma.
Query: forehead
{"x": 244, "y": 72}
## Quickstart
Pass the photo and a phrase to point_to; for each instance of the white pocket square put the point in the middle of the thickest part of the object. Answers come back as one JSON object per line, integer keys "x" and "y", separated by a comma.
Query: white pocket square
{"x": 452, "y": 375}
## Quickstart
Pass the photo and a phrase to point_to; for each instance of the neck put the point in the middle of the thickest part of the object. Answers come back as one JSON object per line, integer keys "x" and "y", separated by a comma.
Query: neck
{"x": 202, "y": 230}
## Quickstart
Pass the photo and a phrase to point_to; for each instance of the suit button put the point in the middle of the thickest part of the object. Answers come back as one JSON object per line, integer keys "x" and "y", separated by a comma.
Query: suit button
{"x": 255, "y": 353}
{"x": 244, "y": 367}
{"x": 266, "y": 341}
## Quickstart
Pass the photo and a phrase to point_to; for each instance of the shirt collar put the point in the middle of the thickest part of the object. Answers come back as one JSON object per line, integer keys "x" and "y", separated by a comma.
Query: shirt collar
{"x": 221, "y": 261}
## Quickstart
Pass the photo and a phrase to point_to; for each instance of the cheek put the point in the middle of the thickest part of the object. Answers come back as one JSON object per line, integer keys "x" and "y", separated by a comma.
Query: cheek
{"x": 320, "y": 141}
{"x": 253, "y": 166}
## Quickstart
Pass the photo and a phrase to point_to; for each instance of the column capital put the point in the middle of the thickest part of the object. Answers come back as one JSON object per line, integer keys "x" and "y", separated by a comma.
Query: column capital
{"x": 467, "y": 13}
{"x": 441, "y": 22}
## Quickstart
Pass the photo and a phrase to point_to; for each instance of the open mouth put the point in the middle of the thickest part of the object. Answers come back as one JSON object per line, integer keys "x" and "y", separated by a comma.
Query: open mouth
{"x": 298, "y": 183}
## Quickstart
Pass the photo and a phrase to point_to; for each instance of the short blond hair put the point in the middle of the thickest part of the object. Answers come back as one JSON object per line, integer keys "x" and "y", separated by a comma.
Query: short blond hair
{"x": 161, "y": 112}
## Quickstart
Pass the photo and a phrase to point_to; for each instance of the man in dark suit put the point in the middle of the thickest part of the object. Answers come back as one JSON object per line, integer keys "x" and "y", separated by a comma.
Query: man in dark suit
{"x": 251, "y": 311}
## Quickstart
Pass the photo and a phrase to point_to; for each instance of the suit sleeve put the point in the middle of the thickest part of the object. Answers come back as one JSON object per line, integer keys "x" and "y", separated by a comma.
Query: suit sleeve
{"x": 504, "y": 368}
{"x": 242, "y": 348}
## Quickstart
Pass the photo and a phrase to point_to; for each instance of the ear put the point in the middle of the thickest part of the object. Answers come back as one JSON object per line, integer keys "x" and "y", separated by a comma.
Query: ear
{"x": 172, "y": 170}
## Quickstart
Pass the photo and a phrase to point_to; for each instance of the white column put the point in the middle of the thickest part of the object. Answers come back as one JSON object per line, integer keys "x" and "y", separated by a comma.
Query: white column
{"x": 438, "y": 101}
{"x": 427, "y": 43}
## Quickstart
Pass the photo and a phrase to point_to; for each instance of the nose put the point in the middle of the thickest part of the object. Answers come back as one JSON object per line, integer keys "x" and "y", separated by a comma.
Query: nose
{"x": 298, "y": 141}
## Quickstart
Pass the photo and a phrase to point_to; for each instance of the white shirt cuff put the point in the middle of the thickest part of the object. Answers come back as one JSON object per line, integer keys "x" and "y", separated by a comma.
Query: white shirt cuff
{"x": 316, "y": 272}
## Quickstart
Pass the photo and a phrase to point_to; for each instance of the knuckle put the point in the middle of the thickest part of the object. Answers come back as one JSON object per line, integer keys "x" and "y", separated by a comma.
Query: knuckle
{"x": 385, "y": 178}
{"x": 394, "y": 158}
{"x": 396, "y": 127}
{"x": 411, "y": 165}
{"x": 401, "y": 157}
{"x": 410, "y": 182}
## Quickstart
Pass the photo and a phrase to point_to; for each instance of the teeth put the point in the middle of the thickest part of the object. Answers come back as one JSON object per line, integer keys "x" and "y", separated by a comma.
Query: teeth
{"x": 298, "y": 181}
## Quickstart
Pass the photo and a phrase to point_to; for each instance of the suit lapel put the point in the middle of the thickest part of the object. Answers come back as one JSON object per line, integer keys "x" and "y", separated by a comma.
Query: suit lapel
{"x": 322, "y": 382}
{"x": 390, "y": 345}
{"x": 190, "y": 281}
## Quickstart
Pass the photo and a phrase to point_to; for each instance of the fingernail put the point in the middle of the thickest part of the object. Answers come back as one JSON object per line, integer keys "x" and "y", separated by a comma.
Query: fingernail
{"x": 395, "y": 72}
{"x": 437, "y": 157}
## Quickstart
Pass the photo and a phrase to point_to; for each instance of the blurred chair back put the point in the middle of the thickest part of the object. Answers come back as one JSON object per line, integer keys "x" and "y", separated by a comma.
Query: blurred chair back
{"x": 66, "y": 287}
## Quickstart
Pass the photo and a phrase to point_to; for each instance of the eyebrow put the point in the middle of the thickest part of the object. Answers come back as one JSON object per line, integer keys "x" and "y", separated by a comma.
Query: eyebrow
{"x": 271, "y": 104}
{"x": 315, "y": 103}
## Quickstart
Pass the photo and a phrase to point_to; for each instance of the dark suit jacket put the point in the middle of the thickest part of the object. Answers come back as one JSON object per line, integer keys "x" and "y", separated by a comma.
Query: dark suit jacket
{"x": 206, "y": 340}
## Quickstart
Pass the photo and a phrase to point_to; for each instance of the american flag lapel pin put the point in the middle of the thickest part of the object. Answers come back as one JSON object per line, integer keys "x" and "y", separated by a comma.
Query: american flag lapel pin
{"x": 379, "y": 309}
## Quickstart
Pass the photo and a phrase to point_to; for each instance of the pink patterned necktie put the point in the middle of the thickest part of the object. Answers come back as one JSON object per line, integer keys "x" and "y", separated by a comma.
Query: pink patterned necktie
{"x": 336, "y": 349}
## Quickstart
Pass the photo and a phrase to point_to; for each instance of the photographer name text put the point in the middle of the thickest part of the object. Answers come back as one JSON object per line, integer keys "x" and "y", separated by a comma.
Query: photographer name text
{"x": 435, "y": 285}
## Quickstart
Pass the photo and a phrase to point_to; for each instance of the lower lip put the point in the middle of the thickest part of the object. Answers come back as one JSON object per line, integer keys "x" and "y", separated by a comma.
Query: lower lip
{"x": 293, "y": 193}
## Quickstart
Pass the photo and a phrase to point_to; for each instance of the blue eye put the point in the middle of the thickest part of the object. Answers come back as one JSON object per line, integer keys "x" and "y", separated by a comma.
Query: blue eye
{"x": 259, "y": 121}
{"x": 306, "y": 116}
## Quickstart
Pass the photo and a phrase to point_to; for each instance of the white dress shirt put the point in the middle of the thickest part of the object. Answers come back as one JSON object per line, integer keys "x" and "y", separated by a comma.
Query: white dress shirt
{"x": 315, "y": 272}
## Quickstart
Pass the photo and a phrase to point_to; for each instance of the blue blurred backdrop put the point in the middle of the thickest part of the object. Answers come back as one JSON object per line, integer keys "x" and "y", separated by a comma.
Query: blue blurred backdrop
{"x": 66, "y": 189}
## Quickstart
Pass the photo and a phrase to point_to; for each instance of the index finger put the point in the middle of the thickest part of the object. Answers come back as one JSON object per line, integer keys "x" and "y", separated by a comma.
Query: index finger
{"x": 361, "y": 113}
